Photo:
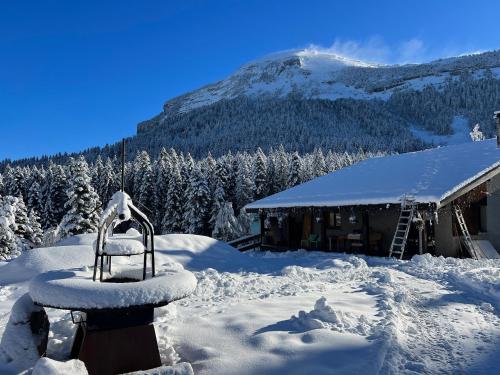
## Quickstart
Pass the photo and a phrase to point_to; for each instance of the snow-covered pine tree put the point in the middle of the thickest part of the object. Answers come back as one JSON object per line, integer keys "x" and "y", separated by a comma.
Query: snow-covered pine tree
{"x": 143, "y": 181}
{"x": 172, "y": 221}
{"x": 54, "y": 193}
{"x": 8, "y": 242}
{"x": 1, "y": 185}
{"x": 278, "y": 170}
{"x": 245, "y": 186}
{"x": 162, "y": 170}
{"x": 36, "y": 229}
{"x": 34, "y": 190}
{"x": 21, "y": 225}
{"x": 244, "y": 223}
{"x": 108, "y": 181}
{"x": 208, "y": 165}
{"x": 83, "y": 203}
{"x": 226, "y": 227}
{"x": 295, "y": 174}
{"x": 129, "y": 179}
{"x": 96, "y": 171}
{"x": 218, "y": 199}
{"x": 318, "y": 163}
{"x": 222, "y": 171}
{"x": 35, "y": 196}
{"x": 330, "y": 162}
{"x": 196, "y": 210}
{"x": 260, "y": 174}
{"x": 15, "y": 181}
{"x": 187, "y": 166}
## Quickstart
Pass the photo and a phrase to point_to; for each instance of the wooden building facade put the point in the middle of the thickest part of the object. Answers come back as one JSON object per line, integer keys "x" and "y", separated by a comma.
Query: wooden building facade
{"x": 358, "y": 209}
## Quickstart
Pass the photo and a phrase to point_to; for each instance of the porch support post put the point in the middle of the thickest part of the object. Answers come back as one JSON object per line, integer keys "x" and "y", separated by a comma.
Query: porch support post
{"x": 262, "y": 218}
{"x": 366, "y": 230}
{"x": 324, "y": 242}
{"x": 420, "y": 240}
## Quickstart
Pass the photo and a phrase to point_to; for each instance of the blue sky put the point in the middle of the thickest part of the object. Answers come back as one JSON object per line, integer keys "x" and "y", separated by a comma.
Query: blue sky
{"x": 79, "y": 74}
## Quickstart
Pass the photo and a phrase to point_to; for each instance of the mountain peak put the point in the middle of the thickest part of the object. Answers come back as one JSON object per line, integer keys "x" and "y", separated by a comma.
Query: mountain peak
{"x": 309, "y": 58}
{"x": 322, "y": 74}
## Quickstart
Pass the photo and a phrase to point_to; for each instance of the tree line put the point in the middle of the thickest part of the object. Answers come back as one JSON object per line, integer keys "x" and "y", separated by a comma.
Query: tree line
{"x": 179, "y": 194}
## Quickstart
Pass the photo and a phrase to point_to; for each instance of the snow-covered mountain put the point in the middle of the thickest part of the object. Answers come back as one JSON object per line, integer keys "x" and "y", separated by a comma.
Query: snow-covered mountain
{"x": 305, "y": 99}
{"x": 313, "y": 74}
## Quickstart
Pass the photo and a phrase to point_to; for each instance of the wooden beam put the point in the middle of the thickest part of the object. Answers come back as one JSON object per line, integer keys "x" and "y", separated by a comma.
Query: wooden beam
{"x": 262, "y": 217}
{"x": 366, "y": 227}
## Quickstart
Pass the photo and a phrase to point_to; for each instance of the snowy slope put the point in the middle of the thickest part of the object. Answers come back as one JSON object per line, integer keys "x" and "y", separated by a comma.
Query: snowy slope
{"x": 314, "y": 74}
{"x": 308, "y": 312}
{"x": 430, "y": 176}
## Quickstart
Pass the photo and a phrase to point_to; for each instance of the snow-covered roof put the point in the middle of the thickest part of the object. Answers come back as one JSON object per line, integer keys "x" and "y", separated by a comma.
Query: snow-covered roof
{"x": 430, "y": 176}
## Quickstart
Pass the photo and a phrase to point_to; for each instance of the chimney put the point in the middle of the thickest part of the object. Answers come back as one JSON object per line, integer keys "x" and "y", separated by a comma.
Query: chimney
{"x": 497, "y": 119}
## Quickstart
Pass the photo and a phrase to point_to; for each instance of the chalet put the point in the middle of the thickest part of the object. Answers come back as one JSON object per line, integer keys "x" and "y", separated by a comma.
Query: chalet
{"x": 445, "y": 201}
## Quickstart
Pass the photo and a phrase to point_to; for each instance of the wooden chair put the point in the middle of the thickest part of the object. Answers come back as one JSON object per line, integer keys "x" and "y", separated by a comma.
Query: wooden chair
{"x": 312, "y": 240}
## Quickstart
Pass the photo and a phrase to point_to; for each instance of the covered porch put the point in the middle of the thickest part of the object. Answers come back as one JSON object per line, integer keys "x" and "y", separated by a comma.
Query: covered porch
{"x": 364, "y": 229}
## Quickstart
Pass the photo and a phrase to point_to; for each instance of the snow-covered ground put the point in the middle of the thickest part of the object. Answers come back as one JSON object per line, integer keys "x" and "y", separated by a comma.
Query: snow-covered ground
{"x": 303, "y": 312}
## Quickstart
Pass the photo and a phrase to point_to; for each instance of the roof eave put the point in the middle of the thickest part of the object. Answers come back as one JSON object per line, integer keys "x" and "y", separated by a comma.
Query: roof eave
{"x": 451, "y": 196}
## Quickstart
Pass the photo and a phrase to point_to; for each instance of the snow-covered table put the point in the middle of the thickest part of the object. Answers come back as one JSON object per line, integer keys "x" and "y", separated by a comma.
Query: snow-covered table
{"x": 115, "y": 333}
{"x": 74, "y": 290}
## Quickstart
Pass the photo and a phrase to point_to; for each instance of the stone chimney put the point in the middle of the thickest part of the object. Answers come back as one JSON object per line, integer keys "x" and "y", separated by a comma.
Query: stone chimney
{"x": 497, "y": 119}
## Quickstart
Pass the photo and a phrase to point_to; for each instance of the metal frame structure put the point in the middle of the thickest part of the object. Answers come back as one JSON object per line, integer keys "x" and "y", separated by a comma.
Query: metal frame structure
{"x": 106, "y": 222}
{"x": 147, "y": 239}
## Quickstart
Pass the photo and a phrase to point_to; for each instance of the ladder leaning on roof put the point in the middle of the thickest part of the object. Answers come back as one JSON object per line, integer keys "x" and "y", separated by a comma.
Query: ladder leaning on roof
{"x": 408, "y": 208}
{"x": 465, "y": 235}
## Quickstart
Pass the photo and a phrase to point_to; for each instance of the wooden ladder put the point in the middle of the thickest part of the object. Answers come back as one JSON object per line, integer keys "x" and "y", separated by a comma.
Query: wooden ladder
{"x": 408, "y": 208}
{"x": 465, "y": 235}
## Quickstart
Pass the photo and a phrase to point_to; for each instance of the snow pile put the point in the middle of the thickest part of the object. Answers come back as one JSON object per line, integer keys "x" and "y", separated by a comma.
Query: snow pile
{"x": 47, "y": 366}
{"x": 480, "y": 276}
{"x": 182, "y": 368}
{"x": 18, "y": 346}
{"x": 132, "y": 232}
{"x": 36, "y": 261}
{"x": 198, "y": 253}
{"x": 324, "y": 316}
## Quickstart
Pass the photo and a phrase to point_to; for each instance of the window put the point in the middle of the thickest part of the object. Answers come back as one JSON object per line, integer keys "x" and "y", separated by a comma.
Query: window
{"x": 334, "y": 220}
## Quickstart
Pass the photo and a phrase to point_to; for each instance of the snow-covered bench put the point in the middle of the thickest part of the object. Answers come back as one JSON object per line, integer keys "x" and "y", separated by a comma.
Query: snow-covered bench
{"x": 123, "y": 247}
{"x": 121, "y": 208}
